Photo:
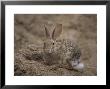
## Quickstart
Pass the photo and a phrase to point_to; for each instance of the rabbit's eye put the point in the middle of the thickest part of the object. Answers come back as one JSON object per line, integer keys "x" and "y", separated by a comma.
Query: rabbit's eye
{"x": 53, "y": 43}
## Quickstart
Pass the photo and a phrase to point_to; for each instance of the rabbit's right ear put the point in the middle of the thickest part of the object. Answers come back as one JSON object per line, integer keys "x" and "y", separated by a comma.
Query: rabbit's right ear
{"x": 47, "y": 32}
{"x": 57, "y": 31}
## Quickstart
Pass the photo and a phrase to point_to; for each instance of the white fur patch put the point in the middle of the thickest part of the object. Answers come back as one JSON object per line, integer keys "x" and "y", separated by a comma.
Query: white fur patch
{"x": 80, "y": 66}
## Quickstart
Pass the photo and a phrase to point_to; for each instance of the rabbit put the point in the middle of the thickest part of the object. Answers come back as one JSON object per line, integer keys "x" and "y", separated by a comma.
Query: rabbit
{"x": 60, "y": 52}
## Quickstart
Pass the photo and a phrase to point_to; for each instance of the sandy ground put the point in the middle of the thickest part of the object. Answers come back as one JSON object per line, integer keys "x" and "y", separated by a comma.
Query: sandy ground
{"x": 80, "y": 28}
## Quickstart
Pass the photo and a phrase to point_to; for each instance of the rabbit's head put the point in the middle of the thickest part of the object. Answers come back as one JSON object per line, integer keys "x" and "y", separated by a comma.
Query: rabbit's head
{"x": 51, "y": 36}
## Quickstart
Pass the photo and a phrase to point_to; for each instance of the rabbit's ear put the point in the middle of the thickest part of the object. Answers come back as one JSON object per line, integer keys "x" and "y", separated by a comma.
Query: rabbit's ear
{"x": 57, "y": 31}
{"x": 47, "y": 32}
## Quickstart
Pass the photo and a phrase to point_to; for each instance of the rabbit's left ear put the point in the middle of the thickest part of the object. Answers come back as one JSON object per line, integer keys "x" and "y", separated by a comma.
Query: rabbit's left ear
{"x": 57, "y": 31}
{"x": 47, "y": 32}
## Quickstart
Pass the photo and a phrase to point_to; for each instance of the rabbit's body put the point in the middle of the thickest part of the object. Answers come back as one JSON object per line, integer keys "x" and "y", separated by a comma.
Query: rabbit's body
{"x": 65, "y": 51}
